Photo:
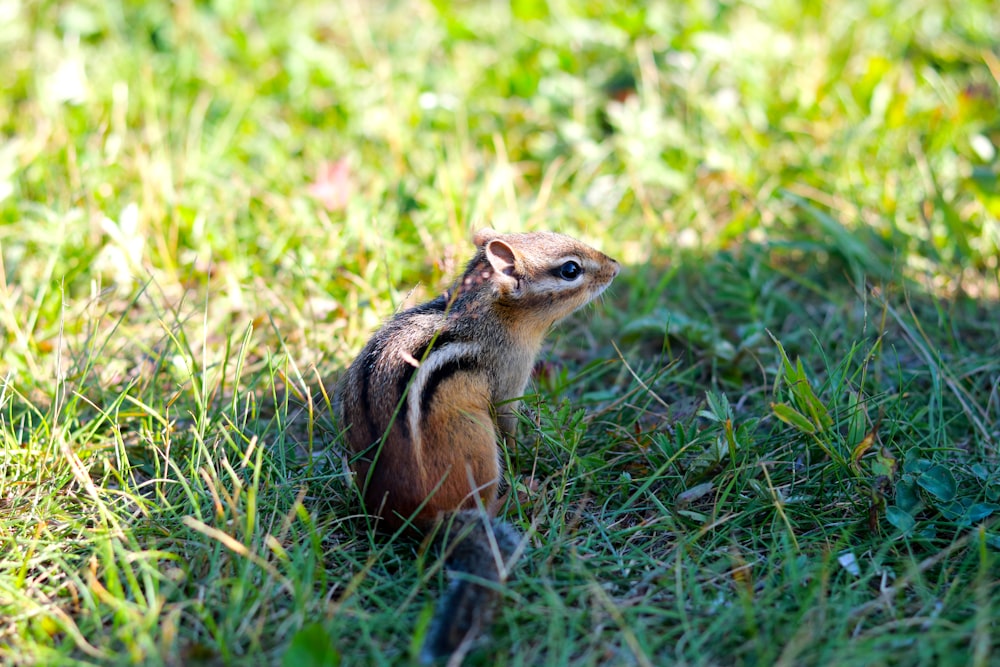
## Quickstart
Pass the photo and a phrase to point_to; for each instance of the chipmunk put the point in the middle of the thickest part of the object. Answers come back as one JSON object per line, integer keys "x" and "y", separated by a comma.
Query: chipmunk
{"x": 431, "y": 399}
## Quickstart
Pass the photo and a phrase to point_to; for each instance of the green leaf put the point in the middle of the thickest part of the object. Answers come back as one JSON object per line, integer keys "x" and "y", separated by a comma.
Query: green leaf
{"x": 954, "y": 511}
{"x": 885, "y": 463}
{"x": 915, "y": 464}
{"x": 802, "y": 393}
{"x": 980, "y": 471}
{"x": 907, "y": 496}
{"x": 979, "y": 511}
{"x": 792, "y": 417}
{"x": 789, "y": 370}
{"x": 718, "y": 404}
{"x": 902, "y": 520}
{"x": 694, "y": 516}
{"x": 311, "y": 647}
{"x": 939, "y": 482}
{"x": 807, "y": 400}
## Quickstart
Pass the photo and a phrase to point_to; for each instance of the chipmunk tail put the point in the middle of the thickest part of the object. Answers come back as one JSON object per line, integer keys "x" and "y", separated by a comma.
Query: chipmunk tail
{"x": 478, "y": 551}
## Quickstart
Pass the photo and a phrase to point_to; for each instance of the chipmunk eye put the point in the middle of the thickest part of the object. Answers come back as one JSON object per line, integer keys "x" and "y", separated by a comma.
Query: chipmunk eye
{"x": 570, "y": 271}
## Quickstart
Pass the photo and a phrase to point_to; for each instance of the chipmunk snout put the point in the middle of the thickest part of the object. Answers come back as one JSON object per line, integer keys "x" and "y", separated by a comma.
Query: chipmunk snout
{"x": 612, "y": 268}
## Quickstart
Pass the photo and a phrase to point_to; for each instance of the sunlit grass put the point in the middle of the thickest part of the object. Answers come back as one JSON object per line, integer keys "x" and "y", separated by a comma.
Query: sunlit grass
{"x": 774, "y": 442}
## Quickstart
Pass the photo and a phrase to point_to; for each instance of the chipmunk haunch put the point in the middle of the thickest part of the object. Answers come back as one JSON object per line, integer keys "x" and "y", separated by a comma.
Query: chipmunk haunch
{"x": 431, "y": 397}
{"x": 430, "y": 400}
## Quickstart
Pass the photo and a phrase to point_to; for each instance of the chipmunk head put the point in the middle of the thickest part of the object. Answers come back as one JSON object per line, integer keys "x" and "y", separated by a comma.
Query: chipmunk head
{"x": 542, "y": 275}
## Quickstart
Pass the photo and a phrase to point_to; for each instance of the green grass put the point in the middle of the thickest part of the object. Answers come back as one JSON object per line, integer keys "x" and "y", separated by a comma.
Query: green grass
{"x": 774, "y": 442}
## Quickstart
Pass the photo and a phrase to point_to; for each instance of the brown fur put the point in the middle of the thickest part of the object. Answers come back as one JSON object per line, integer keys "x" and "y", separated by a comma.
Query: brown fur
{"x": 430, "y": 400}
{"x": 500, "y": 309}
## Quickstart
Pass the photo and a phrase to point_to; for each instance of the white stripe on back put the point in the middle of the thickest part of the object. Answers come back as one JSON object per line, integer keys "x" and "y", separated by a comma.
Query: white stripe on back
{"x": 437, "y": 358}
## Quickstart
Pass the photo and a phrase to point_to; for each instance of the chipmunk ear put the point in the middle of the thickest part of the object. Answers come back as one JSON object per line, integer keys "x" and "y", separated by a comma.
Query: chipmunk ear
{"x": 503, "y": 259}
{"x": 484, "y": 236}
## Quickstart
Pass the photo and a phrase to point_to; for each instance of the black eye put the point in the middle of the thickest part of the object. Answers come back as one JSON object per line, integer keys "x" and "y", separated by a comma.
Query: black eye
{"x": 569, "y": 271}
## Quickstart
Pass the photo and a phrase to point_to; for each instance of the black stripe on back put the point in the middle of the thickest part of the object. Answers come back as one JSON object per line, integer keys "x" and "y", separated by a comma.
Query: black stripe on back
{"x": 442, "y": 373}
{"x": 438, "y": 304}
{"x": 367, "y": 369}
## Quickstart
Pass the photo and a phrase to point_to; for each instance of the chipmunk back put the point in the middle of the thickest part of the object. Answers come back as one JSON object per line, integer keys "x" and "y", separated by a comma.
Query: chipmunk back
{"x": 430, "y": 399}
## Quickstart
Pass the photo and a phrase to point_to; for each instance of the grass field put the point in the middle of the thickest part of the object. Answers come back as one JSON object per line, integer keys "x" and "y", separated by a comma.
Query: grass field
{"x": 775, "y": 441}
